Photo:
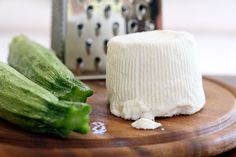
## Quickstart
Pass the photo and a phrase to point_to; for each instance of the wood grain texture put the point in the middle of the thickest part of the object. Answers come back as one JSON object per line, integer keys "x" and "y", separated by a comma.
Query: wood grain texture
{"x": 208, "y": 132}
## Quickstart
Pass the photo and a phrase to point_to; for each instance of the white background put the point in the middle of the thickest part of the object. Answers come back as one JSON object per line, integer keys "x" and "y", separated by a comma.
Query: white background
{"x": 213, "y": 22}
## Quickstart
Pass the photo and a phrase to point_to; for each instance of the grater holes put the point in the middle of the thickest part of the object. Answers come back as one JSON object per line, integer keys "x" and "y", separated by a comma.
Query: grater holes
{"x": 107, "y": 11}
{"x": 79, "y": 65}
{"x": 97, "y": 63}
{"x": 132, "y": 26}
{"x": 142, "y": 8}
{"x": 105, "y": 45}
{"x": 125, "y": 10}
{"x": 88, "y": 45}
{"x": 98, "y": 25}
{"x": 115, "y": 28}
{"x": 89, "y": 8}
{"x": 98, "y": 28}
{"x": 80, "y": 28}
{"x": 89, "y": 11}
{"x": 97, "y": 59}
{"x": 79, "y": 60}
{"x": 141, "y": 11}
{"x": 89, "y": 42}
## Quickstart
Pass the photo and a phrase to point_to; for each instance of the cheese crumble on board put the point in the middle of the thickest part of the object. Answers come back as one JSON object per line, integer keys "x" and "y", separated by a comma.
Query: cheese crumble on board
{"x": 144, "y": 123}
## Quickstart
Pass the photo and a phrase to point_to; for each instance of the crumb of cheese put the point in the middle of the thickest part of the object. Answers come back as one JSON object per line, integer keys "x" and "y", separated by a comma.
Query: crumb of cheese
{"x": 144, "y": 123}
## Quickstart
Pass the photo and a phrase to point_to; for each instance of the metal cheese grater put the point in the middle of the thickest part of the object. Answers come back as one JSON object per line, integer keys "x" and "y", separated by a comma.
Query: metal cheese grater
{"x": 81, "y": 30}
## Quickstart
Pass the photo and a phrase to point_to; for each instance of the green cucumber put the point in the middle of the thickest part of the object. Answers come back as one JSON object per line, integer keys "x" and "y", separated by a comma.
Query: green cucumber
{"x": 41, "y": 65}
{"x": 33, "y": 108}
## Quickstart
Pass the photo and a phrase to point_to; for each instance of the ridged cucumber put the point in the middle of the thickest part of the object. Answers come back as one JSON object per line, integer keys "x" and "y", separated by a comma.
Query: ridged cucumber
{"x": 33, "y": 108}
{"x": 41, "y": 65}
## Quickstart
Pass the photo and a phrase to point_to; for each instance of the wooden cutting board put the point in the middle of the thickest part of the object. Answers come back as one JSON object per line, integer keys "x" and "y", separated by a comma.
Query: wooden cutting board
{"x": 208, "y": 132}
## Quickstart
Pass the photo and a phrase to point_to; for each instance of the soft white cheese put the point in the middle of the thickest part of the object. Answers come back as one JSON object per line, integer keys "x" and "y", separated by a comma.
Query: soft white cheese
{"x": 153, "y": 74}
{"x": 144, "y": 123}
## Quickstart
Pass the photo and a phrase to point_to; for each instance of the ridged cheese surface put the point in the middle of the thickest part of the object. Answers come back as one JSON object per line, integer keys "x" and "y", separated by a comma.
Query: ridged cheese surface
{"x": 153, "y": 74}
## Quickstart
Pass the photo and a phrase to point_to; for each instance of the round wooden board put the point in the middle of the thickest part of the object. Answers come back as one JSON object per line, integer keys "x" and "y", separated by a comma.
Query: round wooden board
{"x": 208, "y": 132}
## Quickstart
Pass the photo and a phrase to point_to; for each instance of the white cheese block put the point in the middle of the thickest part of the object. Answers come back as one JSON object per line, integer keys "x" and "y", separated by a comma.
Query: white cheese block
{"x": 153, "y": 74}
{"x": 144, "y": 123}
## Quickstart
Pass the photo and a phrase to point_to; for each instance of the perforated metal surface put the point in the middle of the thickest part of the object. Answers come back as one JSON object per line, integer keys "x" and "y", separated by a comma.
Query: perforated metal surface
{"x": 85, "y": 27}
